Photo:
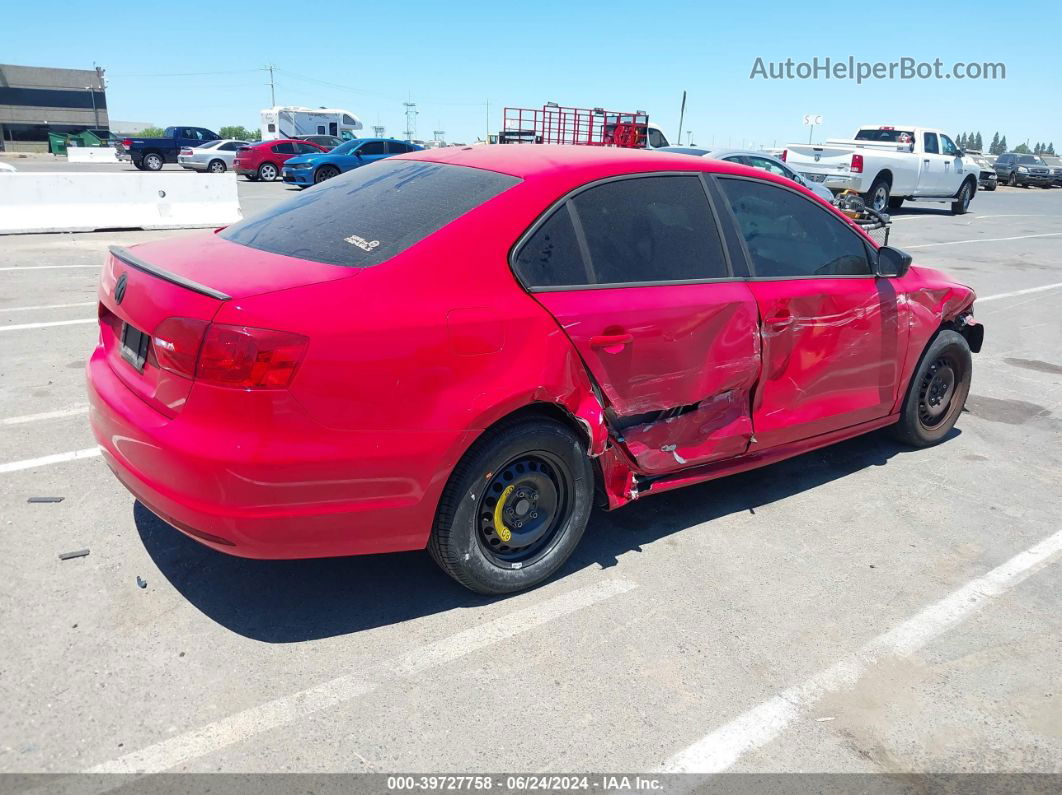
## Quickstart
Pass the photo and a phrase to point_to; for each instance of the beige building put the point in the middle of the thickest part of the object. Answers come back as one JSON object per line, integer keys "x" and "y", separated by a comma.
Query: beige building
{"x": 35, "y": 101}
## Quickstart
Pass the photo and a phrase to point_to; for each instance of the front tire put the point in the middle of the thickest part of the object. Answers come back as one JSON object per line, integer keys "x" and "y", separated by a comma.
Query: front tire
{"x": 878, "y": 195}
{"x": 962, "y": 200}
{"x": 515, "y": 507}
{"x": 267, "y": 172}
{"x": 323, "y": 173}
{"x": 937, "y": 392}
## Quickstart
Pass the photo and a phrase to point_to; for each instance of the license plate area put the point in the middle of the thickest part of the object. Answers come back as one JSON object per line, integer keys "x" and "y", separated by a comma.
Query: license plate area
{"x": 134, "y": 346}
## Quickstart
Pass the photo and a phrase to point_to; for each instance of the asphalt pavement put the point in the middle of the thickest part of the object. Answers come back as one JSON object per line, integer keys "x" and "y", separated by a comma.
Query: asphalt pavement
{"x": 863, "y": 608}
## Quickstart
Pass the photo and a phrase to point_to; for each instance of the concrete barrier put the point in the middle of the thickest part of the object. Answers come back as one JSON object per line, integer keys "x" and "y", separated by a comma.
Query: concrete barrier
{"x": 91, "y": 154}
{"x": 86, "y": 201}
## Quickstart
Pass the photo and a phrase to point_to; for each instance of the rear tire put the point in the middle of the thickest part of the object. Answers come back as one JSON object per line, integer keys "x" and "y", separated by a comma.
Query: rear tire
{"x": 878, "y": 195}
{"x": 216, "y": 166}
{"x": 514, "y": 508}
{"x": 268, "y": 172}
{"x": 153, "y": 162}
{"x": 962, "y": 199}
{"x": 937, "y": 392}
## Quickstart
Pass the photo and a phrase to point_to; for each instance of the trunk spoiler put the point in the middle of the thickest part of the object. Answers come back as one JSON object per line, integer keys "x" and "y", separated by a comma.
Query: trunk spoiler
{"x": 134, "y": 261}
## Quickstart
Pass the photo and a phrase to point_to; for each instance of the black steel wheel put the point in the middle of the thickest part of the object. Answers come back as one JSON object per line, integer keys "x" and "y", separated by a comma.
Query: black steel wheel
{"x": 937, "y": 391}
{"x": 515, "y": 506}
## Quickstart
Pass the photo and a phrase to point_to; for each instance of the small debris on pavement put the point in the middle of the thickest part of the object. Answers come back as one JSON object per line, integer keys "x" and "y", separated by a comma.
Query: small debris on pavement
{"x": 140, "y": 583}
{"x": 77, "y": 553}
{"x": 45, "y": 499}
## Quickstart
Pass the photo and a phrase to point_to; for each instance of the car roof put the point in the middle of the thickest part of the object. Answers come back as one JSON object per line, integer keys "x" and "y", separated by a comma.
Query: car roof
{"x": 573, "y": 163}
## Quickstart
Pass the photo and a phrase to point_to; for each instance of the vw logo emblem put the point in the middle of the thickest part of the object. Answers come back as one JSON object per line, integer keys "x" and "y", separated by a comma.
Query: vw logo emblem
{"x": 818, "y": 157}
{"x": 119, "y": 288}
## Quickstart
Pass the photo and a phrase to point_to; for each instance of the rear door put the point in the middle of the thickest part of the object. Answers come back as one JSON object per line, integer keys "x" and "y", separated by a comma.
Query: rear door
{"x": 832, "y": 334}
{"x": 634, "y": 272}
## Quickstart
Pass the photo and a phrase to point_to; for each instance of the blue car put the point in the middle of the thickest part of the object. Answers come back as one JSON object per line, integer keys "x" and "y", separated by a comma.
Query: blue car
{"x": 306, "y": 170}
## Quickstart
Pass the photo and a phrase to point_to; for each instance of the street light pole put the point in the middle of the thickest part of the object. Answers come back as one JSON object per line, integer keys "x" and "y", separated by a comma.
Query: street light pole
{"x": 95, "y": 111}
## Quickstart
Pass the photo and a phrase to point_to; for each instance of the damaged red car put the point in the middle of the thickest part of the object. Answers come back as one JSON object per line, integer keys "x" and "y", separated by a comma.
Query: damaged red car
{"x": 466, "y": 349}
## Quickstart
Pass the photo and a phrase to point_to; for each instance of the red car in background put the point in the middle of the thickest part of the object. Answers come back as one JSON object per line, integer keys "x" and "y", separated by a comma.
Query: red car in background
{"x": 465, "y": 349}
{"x": 263, "y": 161}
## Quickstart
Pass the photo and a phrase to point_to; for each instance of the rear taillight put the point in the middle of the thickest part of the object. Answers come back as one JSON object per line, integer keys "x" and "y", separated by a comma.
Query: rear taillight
{"x": 233, "y": 356}
{"x": 176, "y": 342}
{"x": 785, "y": 154}
{"x": 127, "y": 142}
{"x": 186, "y": 151}
{"x": 249, "y": 358}
{"x": 857, "y": 164}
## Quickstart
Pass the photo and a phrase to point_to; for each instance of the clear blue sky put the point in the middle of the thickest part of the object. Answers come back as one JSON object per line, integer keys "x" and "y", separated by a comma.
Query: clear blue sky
{"x": 451, "y": 58}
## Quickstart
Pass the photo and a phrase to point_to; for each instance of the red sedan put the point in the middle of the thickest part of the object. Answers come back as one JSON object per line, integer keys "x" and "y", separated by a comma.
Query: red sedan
{"x": 465, "y": 349}
{"x": 264, "y": 161}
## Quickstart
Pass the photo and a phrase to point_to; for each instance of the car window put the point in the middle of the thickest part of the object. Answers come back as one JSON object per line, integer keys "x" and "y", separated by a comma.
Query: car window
{"x": 231, "y": 146}
{"x": 551, "y": 256}
{"x": 771, "y": 167}
{"x": 788, "y": 235}
{"x": 307, "y": 149}
{"x": 169, "y": 132}
{"x": 345, "y": 148}
{"x": 348, "y": 120}
{"x": 1030, "y": 160}
{"x": 930, "y": 143}
{"x": 373, "y": 148}
{"x": 656, "y": 138}
{"x": 886, "y": 135}
{"x": 948, "y": 147}
{"x": 286, "y": 148}
{"x": 396, "y": 148}
{"x": 369, "y": 214}
{"x": 648, "y": 229}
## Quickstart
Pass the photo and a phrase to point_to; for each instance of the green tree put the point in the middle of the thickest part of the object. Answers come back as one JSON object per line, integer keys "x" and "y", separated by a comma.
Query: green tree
{"x": 979, "y": 143}
{"x": 1003, "y": 149}
{"x": 1051, "y": 148}
{"x": 994, "y": 148}
{"x": 151, "y": 132}
{"x": 1022, "y": 149}
{"x": 237, "y": 131}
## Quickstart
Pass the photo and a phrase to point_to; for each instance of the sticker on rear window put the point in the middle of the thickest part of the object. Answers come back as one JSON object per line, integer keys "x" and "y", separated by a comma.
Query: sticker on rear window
{"x": 362, "y": 243}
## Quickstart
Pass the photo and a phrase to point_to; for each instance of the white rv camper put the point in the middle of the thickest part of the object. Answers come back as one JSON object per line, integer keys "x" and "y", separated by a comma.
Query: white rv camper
{"x": 293, "y": 122}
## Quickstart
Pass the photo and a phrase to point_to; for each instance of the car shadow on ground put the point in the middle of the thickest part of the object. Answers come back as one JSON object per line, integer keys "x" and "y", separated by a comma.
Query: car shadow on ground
{"x": 929, "y": 208}
{"x": 277, "y": 601}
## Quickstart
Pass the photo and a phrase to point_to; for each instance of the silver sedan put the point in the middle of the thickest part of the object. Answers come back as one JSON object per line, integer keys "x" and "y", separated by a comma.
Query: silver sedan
{"x": 213, "y": 156}
{"x": 760, "y": 160}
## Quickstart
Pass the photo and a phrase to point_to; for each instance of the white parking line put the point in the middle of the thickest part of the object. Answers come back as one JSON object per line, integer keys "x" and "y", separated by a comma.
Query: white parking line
{"x": 984, "y": 240}
{"x": 47, "y": 306}
{"x": 1014, "y": 293}
{"x": 724, "y": 746}
{"x": 45, "y": 267}
{"x": 45, "y": 415}
{"x": 45, "y": 460}
{"x": 22, "y": 326}
{"x": 240, "y": 726}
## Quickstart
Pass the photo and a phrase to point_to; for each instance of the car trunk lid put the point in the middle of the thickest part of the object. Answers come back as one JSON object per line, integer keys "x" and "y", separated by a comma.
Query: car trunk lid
{"x": 189, "y": 279}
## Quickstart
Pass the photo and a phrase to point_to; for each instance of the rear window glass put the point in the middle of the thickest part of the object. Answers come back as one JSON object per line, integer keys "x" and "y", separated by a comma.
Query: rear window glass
{"x": 886, "y": 136}
{"x": 370, "y": 214}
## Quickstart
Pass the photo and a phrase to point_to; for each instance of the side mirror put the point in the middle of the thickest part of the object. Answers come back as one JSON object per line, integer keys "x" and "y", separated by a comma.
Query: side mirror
{"x": 891, "y": 262}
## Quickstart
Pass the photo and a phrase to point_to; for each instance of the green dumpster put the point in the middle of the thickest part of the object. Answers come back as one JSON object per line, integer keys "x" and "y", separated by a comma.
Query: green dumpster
{"x": 57, "y": 143}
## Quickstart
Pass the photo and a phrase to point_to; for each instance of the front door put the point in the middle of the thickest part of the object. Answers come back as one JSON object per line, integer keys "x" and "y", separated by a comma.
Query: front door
{"x": 634, "y": 272}
{"x": 831, "y": 334}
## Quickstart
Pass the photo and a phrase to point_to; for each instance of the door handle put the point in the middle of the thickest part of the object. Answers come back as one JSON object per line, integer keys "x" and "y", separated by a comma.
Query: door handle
{"x": 927, "y": 160}
{"x": 610, "y": 340}
{"x": 780, "y": 323}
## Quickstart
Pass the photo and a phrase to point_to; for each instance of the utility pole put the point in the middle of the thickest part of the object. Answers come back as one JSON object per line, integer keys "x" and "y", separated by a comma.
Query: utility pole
{"x": 487, "y": 139}
{"x": 437, "y": 135}
{"x": 411, "y": 119}
{"x": 272, "y": 87}
{"x": 378, "y": 131}
{"x": 682, "y": 117}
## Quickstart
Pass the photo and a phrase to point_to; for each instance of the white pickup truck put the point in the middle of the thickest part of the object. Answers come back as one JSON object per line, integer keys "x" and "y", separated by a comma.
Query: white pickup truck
{"x": 889, "y": 164}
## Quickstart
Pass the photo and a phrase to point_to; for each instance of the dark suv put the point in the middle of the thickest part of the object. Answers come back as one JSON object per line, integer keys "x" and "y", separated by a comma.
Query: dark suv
{"x": 1054, "y": 163}
{"x": 1015, "y": 169}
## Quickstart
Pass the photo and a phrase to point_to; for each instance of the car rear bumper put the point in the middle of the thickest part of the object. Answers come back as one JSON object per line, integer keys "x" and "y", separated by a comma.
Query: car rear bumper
{"x": 276, "y": 486}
